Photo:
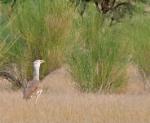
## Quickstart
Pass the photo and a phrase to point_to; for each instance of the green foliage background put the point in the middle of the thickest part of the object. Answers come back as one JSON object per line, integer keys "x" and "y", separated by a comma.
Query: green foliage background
{"x": 97, "y": 54}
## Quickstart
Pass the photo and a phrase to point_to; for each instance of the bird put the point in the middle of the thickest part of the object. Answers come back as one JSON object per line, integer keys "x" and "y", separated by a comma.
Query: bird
{"x": 33, "y": 87}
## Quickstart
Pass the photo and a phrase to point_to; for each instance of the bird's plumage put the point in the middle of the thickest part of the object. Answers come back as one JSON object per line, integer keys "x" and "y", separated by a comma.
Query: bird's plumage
{"x": 33, "y": 86}
{"x": 30, "y": 89}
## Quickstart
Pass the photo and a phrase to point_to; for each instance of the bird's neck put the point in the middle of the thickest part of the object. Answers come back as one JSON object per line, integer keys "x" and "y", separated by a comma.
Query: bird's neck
{"x": 36, "y": 72}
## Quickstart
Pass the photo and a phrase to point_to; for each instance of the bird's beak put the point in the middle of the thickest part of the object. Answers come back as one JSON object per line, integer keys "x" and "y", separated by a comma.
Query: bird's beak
{"x": 42, "y": 61}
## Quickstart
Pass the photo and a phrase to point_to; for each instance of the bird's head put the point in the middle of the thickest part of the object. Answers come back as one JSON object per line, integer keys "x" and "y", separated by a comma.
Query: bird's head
{"x": 38, "y": 62}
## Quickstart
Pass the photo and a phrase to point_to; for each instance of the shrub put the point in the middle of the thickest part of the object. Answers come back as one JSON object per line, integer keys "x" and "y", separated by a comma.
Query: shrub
{"x": 141, "y": 42}
{"x": 99, "y": 55}
{"x": 42, "y": 26}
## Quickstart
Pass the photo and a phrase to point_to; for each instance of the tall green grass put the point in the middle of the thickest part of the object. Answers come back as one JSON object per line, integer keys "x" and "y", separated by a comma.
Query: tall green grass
{"x": 4, "y": 49}
{"x": 142, "y": 44}
{"x": 5, "y": 44}
{"x": 43, "y": 27}
{"x": 99, "y": 54}
{"x": 138, "y": 32}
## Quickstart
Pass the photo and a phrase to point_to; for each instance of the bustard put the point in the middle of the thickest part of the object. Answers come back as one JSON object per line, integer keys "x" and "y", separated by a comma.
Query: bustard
{"x": 33, "y": 86}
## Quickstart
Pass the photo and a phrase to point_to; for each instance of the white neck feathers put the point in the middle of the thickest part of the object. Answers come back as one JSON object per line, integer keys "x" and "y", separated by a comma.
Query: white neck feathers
{"x": 36, "y": 71}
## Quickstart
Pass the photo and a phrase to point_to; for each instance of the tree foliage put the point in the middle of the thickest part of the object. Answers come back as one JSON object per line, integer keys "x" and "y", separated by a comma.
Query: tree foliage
{"x": 114, "y": 7}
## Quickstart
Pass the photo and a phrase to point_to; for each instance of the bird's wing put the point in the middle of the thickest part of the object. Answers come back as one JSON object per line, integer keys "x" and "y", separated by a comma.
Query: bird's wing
{"x": 31, "y": 88}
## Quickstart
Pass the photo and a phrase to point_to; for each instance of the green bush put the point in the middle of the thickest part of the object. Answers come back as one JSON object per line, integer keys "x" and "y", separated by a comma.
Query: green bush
{"x": 42, "y": 27}
{"x": 139, "y": 36}
{"x": 137, "y": 31}
{"x": 5, "y": 44}
{"x": 99, "y": 55}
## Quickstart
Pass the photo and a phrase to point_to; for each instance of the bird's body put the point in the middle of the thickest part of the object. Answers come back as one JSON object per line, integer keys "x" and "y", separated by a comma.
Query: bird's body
{"x": 33, "y": 87}
{"x": 30, "y": 89}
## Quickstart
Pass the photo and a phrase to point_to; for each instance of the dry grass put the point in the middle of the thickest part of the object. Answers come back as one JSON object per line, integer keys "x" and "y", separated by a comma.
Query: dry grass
{"x": 83, "y": 108}
{"x": 61, "y": 103}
